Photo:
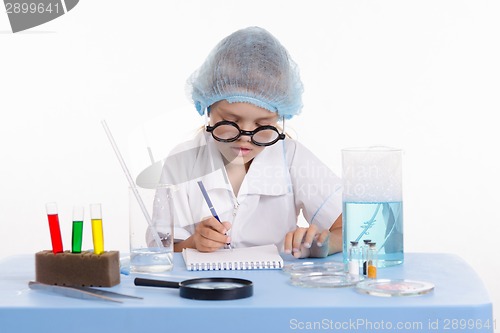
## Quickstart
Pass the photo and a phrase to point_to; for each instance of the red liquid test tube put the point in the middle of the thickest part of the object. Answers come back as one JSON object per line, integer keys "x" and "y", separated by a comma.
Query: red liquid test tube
{"x": 55, "y": 230}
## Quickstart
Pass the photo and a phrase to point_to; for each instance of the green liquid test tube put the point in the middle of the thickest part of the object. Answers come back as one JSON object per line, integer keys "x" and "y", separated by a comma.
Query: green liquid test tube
{"x": 77, "y": 235}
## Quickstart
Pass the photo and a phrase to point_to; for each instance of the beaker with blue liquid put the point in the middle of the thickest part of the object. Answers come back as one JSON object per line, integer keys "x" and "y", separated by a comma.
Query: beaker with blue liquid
{"x": 373, "y": 201}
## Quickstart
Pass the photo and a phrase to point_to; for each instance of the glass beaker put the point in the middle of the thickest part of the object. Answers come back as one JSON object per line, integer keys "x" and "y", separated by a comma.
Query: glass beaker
{"x": 373, "y": 201}
{"x": 146, "y": 256}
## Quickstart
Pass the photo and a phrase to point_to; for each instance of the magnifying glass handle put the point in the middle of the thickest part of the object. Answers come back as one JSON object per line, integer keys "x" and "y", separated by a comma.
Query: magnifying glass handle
{"x": 155, "y": 283}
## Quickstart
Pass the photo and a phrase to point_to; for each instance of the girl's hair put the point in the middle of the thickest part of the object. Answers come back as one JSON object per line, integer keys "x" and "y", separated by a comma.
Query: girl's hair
{"x": 249, "y": 66}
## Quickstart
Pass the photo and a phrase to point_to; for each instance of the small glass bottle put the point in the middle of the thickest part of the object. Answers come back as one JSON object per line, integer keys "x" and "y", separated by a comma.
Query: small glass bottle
{"x": 364, "y": 252}
{"x": 371, "y": 261}
{"x": 354, "y": 261}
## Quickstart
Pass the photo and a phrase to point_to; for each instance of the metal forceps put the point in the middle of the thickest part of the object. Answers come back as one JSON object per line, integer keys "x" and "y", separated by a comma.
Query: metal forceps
{"x": 81, "y": 292}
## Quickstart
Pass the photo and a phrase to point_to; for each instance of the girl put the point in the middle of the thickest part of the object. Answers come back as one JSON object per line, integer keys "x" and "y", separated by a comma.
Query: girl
{"x": 257, "y": 178}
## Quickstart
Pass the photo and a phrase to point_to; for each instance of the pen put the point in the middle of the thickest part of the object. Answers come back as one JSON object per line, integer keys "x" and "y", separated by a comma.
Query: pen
{"x": 210, "y": 205}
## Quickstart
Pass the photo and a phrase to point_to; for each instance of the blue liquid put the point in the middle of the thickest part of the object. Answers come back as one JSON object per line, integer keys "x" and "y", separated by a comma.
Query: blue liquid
{"x": 381, "y": 222}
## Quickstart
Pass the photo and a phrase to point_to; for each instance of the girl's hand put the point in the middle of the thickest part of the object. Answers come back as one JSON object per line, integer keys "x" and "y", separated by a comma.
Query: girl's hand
{"x": 307, "y": 242}
{"x": 210, "y": 235}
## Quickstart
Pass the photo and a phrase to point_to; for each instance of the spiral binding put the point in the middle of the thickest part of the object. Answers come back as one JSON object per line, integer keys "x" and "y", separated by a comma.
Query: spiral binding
{"x": 235, "y": 265}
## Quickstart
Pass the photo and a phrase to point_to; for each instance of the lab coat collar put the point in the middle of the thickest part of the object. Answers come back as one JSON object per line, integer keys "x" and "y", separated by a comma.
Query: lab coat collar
{"x": 217, "y": 179}
{"x": 267, "y": 175}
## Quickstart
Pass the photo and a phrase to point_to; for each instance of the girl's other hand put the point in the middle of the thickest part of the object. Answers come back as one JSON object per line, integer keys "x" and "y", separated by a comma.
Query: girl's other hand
{"x": 307, "y": 242}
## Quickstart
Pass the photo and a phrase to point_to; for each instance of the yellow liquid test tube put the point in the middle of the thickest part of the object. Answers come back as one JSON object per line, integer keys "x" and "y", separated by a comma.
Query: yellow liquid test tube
{"x": 97, "y": 233}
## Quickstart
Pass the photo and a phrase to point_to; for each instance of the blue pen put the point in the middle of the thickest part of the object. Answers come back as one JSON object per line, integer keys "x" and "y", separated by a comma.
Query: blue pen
{"x": 210, "y": 205}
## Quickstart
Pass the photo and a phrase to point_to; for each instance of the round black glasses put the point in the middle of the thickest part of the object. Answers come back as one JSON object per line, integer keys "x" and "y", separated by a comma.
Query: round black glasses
{"x": 228, "y": 131}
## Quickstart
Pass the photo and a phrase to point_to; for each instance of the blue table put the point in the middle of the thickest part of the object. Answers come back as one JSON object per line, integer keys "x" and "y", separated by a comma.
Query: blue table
{"x": 459, "y": 303}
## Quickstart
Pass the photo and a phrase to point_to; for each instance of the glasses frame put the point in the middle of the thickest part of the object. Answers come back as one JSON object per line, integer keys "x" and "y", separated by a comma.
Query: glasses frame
{"x": 281, "y": 136}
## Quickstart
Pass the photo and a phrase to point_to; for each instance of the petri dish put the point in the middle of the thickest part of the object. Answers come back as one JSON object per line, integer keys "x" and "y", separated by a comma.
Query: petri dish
{"x": 326, "y": 280}
{"x": 391, "y": 288}
{"x": 308, "y": 267}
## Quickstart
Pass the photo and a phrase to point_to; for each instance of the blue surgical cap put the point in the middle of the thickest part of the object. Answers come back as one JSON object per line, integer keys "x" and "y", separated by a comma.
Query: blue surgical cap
{"x": 249, "y": 66}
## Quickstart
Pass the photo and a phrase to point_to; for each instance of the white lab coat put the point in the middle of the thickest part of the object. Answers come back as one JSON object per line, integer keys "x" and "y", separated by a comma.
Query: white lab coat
{"x": 283, "y": 180}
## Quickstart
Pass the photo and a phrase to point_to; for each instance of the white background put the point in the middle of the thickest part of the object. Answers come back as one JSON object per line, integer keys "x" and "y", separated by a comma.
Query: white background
{"x": 419, "y": 75}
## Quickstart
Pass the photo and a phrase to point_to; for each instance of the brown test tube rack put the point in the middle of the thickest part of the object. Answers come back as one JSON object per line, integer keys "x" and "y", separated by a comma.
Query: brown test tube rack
{"x": 84, "y": 269}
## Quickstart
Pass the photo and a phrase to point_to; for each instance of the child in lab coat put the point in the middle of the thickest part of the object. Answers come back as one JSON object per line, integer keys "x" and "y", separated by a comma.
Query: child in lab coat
{"x": 258, "y": 179}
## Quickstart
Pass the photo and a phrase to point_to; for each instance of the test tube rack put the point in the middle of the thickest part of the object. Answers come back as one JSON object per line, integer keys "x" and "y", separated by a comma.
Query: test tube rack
{"x": 85, "y": 269}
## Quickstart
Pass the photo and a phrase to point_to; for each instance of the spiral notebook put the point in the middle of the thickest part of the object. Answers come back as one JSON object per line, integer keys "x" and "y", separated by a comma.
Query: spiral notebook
{"x": 256, "y": 257}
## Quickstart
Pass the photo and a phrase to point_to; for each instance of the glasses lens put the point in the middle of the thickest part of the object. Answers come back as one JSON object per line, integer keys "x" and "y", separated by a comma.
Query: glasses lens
{"x": 265, "y": 136}
{"x": 226, "y": 132}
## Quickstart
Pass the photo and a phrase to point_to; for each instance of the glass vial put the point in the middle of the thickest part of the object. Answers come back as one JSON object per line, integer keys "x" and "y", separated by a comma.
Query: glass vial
{"x": 371, "y": 261}
{"x": 354, "y": 261}
{"x": 364, "y": 253}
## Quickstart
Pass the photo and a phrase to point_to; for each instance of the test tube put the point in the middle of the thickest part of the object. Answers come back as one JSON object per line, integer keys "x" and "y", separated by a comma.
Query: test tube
{"x": 372, "y": 261}
{"x": 55, "y": 230}
{"x": 76, "y": 240}
{"x": 97, "y": 233}
{"x": 354, "y": 258}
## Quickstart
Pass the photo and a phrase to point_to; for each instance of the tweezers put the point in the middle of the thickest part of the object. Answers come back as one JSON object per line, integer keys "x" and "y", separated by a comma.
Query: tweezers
{"x": 81, "y": 292}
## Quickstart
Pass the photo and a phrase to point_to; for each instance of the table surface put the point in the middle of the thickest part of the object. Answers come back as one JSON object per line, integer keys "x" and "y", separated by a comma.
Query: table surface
{"x": 459, "y": 303}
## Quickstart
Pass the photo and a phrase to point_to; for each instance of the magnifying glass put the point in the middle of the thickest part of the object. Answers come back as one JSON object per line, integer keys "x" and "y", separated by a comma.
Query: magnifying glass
{"x": 215, "y": 288}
